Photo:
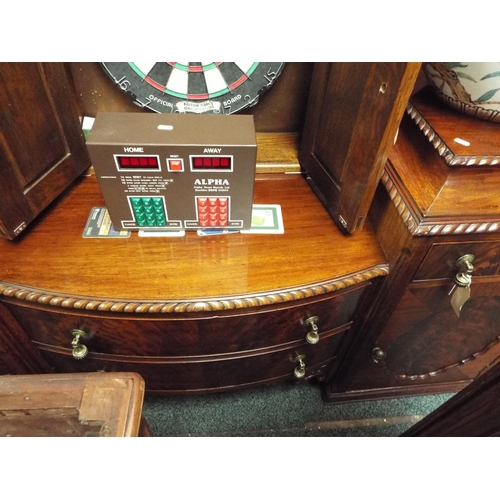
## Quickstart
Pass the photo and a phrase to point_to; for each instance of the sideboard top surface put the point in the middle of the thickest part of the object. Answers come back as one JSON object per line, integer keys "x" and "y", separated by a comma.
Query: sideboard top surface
{"x": 54, "y": 263}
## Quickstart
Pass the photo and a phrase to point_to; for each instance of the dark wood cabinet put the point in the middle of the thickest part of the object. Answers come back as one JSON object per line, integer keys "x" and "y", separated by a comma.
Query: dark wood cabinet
{"x": 431, "y": 218}
{"x": 42, "y": 149}
{"x": 206, "y": 352}
{"x": 189, "y": 314}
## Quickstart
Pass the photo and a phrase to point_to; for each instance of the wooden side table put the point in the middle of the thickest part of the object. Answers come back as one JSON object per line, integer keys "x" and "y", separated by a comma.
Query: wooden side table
{"x": 72, "y": 405}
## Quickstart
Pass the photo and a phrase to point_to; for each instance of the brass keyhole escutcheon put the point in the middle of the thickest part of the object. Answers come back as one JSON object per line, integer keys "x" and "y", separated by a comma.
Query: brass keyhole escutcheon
{"x": 312, "y": 336}
{"x": 300, "y": 371}
{"x": 79, "y": 351}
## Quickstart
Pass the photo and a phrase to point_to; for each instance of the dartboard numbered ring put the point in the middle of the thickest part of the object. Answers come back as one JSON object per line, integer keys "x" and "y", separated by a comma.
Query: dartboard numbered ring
{"x": 213, "y": 87}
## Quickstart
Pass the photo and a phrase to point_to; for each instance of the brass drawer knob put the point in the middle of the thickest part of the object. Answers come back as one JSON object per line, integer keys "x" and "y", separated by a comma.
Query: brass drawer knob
{"x": 466, "y": 261}
{"x": 460, "y": 292}
{"x": 312, "y": 336}
{"x": 79, "y": 351}
{"x": 300, "y": 371}
{"x": 377, "y": 354}
{"x": 464, "y": 279}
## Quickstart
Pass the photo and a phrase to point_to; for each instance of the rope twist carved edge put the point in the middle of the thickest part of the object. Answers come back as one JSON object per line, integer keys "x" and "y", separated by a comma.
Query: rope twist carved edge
{"x": 450, "y": 158}
{"x": 169, "y": 307}
{"x": 416, "y": 228}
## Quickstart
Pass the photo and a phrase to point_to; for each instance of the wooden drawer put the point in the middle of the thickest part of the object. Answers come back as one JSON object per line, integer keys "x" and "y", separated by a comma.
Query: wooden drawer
{"x": 440, "y": 262}
{"x": 209, "y": 373}
{"x": 176, "y": 336}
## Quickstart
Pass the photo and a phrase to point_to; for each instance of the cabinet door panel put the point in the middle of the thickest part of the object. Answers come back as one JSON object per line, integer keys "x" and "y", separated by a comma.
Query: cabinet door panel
{"x": 435, "y": 356}
{"x": 353, "y": 115}
{"x": 42, "y": 149}
{"x": 425, "y": 337}
{"x": 33, "y": 153}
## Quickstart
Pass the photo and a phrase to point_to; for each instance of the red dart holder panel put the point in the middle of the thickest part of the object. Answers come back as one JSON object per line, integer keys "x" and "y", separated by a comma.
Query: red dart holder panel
{"x": 175, "y": 171}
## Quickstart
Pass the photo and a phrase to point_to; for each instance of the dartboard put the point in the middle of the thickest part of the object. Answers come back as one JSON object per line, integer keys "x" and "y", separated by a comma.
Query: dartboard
{"x": 194, "y": 87}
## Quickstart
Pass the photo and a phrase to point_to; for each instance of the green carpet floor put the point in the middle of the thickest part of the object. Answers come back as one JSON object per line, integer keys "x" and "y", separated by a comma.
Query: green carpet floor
{"x": 286, "y": 410}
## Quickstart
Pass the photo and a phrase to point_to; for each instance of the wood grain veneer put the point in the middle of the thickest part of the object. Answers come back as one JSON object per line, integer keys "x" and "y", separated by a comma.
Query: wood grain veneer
{"x": 433, "y": 198}
{"x": 42, "y": 149}
{"x": 461, "y": 140}
{"x": 53, "y": 264}
{"x": 426, "y": 214}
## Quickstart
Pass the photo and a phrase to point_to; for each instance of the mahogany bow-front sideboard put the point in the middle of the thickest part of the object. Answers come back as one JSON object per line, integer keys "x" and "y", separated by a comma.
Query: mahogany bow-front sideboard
{"x": 354, "y": 293}
{"x": 191, "y": 313}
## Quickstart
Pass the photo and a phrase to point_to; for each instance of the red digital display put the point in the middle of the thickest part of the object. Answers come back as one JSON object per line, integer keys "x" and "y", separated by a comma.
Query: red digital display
{"x": 137, "y": 162}
{"x": 211, "y": 163}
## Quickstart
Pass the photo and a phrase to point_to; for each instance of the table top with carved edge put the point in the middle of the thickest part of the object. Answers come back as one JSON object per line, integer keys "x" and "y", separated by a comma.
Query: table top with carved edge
{"x": 52, "y": 265}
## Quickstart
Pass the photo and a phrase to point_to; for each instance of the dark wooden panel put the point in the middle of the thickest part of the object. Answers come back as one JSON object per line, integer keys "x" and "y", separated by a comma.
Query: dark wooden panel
{"x": 17, "y": 354}
{"x": 340, "y": 111}
{"x": 353, "y": 115}
{"x": 472, "y": 412}
{"x": 427, "y": 347}
{"x": 437, "y": 340}
{"x": 42, "y": 149}
{"x": 25, "y": 108}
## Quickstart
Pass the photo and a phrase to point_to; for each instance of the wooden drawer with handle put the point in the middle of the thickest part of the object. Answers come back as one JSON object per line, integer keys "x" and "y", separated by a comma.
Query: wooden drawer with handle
{"x": 297, "y": 361}
{"x": 134, "y": 336}
{"x": 444, "y": 260}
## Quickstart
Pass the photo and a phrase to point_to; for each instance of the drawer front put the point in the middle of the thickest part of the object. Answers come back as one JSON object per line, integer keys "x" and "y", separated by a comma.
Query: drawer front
{"x": 177, "y": 375}
{"x": 189, "y": 337}
{"x": 440, "y": 262}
